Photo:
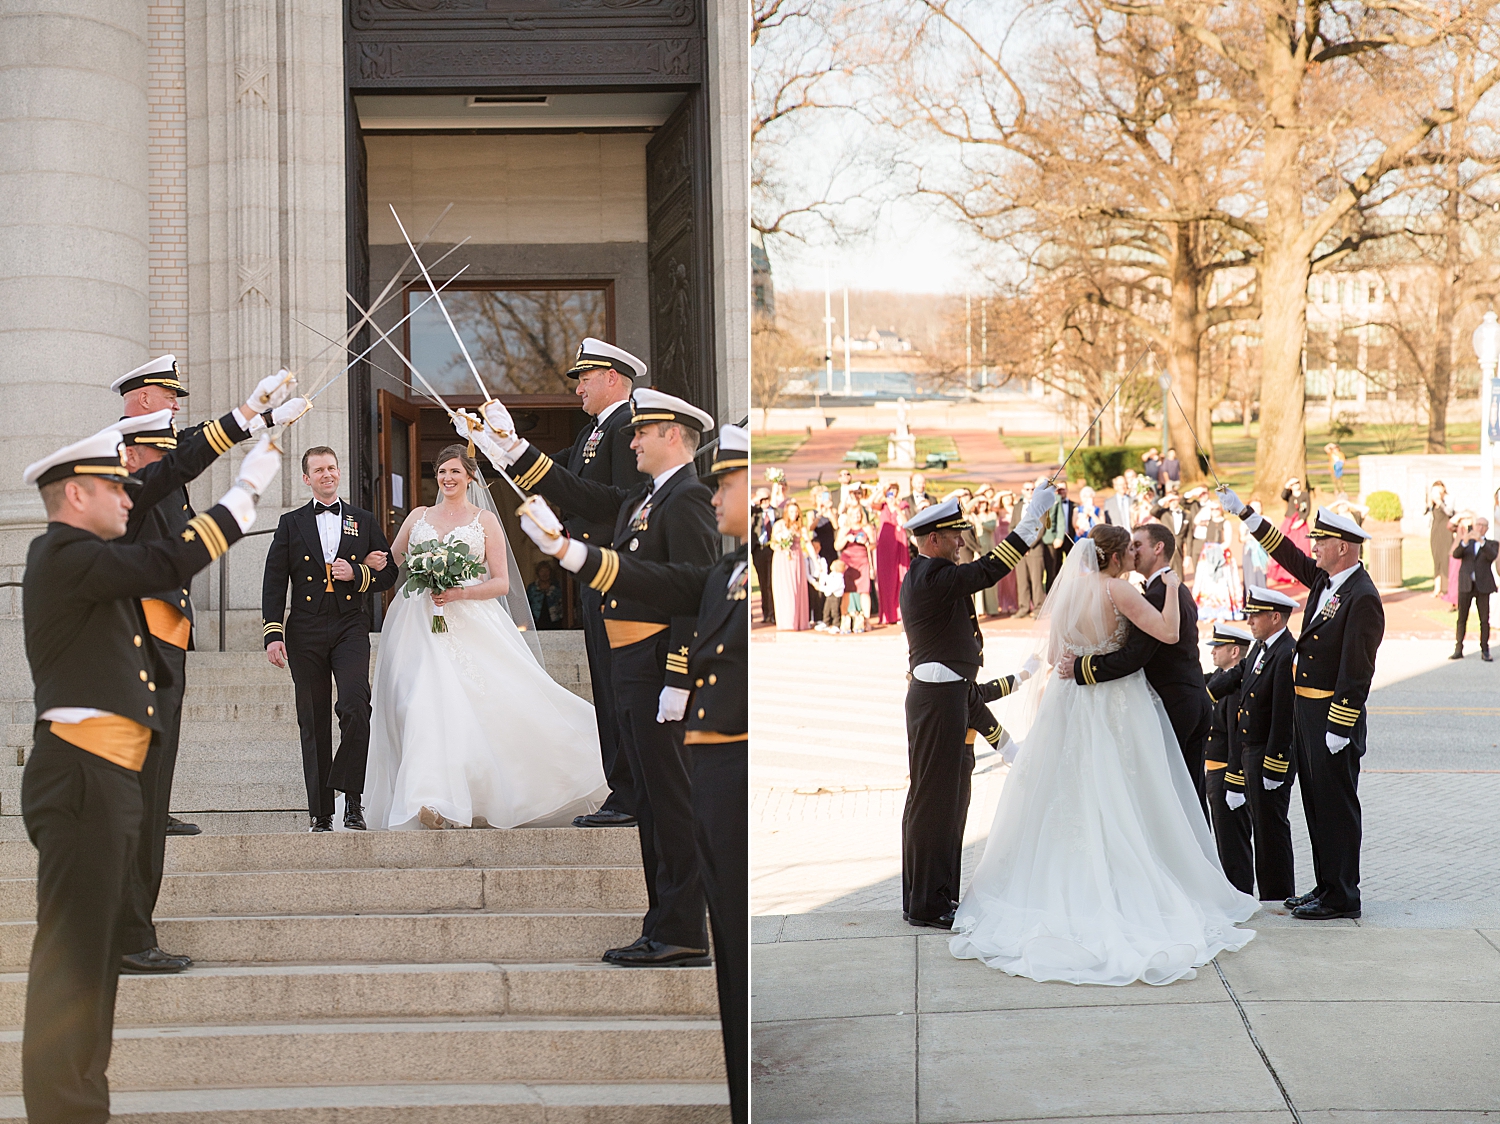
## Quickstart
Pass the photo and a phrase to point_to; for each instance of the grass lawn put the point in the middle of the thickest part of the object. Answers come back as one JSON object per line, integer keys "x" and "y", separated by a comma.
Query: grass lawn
{"x": 773, "y": 448}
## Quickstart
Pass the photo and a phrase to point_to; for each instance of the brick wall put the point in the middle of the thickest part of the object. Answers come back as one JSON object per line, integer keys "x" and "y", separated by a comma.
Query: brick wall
{"x": 166, "y": 94}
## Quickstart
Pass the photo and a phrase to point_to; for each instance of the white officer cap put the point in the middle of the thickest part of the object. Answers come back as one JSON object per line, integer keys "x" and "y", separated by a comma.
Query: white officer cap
{"x": 1258, "y": 599}
{"x": 938, "y": 517}
{"x": 595, "y": 355}
{"x": 1332, "y": 525}
{"x": 155, "y": 430}
{"x": 1225, "y": 634}
{"x": 161, "y": 371}
{"x": 102, "y": 454}
{"x": 647, "y": 406}
{"x": 733, "y": 451}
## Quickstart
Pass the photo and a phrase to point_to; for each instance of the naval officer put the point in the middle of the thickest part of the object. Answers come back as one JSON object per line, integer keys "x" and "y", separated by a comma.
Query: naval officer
{"x": 1333, "y": 664}
{"x": 98, "y": 675}
{"x": 1221, "y": 769}
{"x": 945, "y": 650}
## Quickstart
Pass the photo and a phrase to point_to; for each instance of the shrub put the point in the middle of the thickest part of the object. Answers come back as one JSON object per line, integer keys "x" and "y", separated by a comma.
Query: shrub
{"x": 1339, "y": 429}
{"x": 1385, "y": 507}
{"x": 1102, "y": 463}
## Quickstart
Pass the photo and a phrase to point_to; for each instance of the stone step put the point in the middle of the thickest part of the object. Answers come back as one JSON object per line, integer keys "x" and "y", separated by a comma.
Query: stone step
{"x": 398, "y": 938}
{"x": 300, "y": 892}
{"x": 510, "y": 1049}
{"x": 676, "y": 1102}
{"x": 379, "y": 850}
{"x": 365, "y": 992}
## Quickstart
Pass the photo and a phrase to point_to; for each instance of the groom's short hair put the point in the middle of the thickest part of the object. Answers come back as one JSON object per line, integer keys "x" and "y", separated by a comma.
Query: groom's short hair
{"x": 318, "y": 451}
{"x": 1158, "y": 533}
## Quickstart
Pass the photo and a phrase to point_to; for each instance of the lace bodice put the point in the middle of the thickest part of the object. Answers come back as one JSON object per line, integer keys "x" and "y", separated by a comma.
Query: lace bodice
{"x": 1114, "y": 642}
{"x": 471, "y": 533}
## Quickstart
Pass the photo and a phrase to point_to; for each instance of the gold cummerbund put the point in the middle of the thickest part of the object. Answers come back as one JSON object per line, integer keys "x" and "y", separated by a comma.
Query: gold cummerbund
{"x": 112, "y": 737}
{"x": 165, "y": 623}
{"x": 1313, "y": 693}
{"x": 622, "y": 633}
{"x": 710, "y": 737}
{"x": 1216, "y": 764}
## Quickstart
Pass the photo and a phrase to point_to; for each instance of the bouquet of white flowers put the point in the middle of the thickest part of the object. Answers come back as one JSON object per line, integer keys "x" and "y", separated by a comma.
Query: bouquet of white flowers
{"x": 437, "y": 566}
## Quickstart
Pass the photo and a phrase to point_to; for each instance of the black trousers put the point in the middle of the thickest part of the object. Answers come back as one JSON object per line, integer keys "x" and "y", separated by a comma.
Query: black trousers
{"x": 83, "y": 815}
{"x": 721, "y": 799}
{"x": 138, "y": 933}
{"x": 1482, "y": 600}
{"x": 664, "y": 803}
{"x": 606, "y": 715}
{"x": 1275, "y": 866}
{"x": 1029, "y": 591}
{"x": 761, "y": 557}
{"x": 1330, "y": 800}
{"x": 941, "y": 763}
{"x": 1232, "y": 828}
{"x": 323, "y": 649}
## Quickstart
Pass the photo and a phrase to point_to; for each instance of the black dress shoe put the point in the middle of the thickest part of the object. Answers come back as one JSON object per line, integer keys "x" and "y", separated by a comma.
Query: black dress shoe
{"x": 152, "y": 962}
{"x": 605, "y": 817}
{"x": 354, "y": 818}
{"x": 321, "y": 823}
{"x": 177, "y": 827}
{"x": 943, "y": 922}
{"x": 1458, "y": 654}
{"x": 1301, "y": 900}
{"x": 639, "y": 943}
{"x": 1317, "y": 911}
{"x": 1484, "y": 654}
{"x": 655, "y": 954}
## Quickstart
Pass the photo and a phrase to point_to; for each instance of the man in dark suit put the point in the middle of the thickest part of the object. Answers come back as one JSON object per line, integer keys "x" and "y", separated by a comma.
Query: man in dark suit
{"x": 1058, "y": 535}
{"x": 606, "y": 375}
{"x": 1333, "y": 667}
{"x": 334, "y": 555}
{"x": 1175, "y": 515}
{"x": 97, "y": 678}
{"x": 1476, "y": 581}
{"x": 718, "y": 721}
{"x": 1173, "y": 670}
{"x": 669, "y": 519}
{"x": 762, "y": 518}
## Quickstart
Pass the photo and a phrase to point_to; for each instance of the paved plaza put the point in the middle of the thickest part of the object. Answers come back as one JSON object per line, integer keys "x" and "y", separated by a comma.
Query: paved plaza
{"x": 859, "y": 1017}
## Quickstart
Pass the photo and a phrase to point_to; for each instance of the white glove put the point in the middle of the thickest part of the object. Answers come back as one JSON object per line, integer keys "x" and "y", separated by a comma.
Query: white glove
{"x": 1042, "y": 501}
{"x": 260, "y": 466}
{"x": 1029, "y": 668}
{"x": 1235, "y": 800}
{"x": 501, "y": 444}
{"x": 1269, "y": 785}
{"x": 288, "y": 411}
{"x": 470, "y": 427}
{"x": 1231, "y": 502}
{"x": 498, "y": 418}
{"x": 543, "y": 527}
{"x": 1335, "y": 742}
{"x": 672, "y": 704}
{"x": 272, "y": 391}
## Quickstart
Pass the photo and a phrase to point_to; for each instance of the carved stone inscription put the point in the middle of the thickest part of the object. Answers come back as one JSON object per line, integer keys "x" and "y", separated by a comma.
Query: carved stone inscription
{"x": 591, "y": 61}
{"x": 519, "y": 15}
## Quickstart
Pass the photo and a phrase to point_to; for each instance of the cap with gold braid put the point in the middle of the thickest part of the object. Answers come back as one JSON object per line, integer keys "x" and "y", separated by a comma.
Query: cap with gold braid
{"x": 733, "y": 451}
{"x": 1331, "y": 525}
{"x": 155, "y": 431}
{"x": 1258, "y": 599}
{"x": 161, "y": 371}
{"x": 1225, "y": 634}
{"x": 649, "y": 406}
{"x": 945, "y": 516}
{"x": 100, "y": 455}
{"x": 596, "y": 355}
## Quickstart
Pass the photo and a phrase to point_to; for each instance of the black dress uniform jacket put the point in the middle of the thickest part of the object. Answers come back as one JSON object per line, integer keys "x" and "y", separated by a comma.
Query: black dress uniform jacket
{"x": 1265, "y": 722}
{"x": 937, "y": 606}
{"x": 1221, "y": 750}
{"x": 601, "y": 452}
{"x": 678, "y": 526}
{"x": 296, "y": 555}
{"x": 1232, "y": 827}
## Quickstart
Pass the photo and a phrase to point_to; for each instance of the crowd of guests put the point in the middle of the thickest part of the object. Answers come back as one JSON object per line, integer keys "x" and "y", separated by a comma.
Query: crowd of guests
{"x": 836, "y": 562}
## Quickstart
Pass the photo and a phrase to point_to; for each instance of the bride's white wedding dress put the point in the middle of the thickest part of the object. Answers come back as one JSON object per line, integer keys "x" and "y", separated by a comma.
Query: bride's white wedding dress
{"x": 468, "y": 723}
{"x": 1099, "y": 867}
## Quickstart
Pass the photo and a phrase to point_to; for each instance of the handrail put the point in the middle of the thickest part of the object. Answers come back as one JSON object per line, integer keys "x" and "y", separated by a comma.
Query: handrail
{"x": 224, "y": 586}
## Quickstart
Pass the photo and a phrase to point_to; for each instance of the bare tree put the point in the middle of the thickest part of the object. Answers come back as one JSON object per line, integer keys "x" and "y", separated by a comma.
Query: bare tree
{"x": 776, "y": 358}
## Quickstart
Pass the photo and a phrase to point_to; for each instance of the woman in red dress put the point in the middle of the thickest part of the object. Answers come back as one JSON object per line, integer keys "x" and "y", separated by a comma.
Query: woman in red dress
{"x": 891, "y": 556}
{"x": 854, "y": 542}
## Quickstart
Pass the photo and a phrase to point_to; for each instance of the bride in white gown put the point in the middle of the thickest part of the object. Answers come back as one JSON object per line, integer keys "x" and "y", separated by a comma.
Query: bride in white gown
{"x": 1099, "y": 867}
{"x": 468, "y": 727}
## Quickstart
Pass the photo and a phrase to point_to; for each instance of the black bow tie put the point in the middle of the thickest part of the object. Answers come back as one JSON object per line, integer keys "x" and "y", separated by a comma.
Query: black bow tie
{"x": 320, "y": 508}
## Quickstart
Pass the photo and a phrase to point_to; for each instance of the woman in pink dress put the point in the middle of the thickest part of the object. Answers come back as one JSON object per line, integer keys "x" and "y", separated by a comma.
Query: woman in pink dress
{"x": 891, "y": 556}
{"x": 1294, "y": 527}
{"x": 855, "y": 543}
{"x": 789, "y": 570}
{"x": 1005, "y": 592}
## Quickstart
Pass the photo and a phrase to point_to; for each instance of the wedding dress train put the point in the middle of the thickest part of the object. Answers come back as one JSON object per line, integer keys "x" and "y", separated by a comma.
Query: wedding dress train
{"x": 468, "y": 723}
{"x": 1099, "y": 867}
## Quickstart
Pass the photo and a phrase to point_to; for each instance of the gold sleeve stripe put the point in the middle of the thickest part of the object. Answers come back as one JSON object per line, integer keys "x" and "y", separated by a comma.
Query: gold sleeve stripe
{"x": 1234, "y": 778}
{"x": 994, "y": 736}
{"x": 1007, "y": 685}
{"x": 273, "y": 626}
{"x": 1275, "y": 764}
{"x": 609, "y": 569}
{"x": 205, "y": 528}
{"x": 218, "y": 440}
{"x": 1088, "y": 671}
{"x": 364, "y": 577}
{"x": 677, "y": 664}
{"x": 1271, "y": 538}
{"x": 1008, "y": 554}
{"x": 532, "y": 475}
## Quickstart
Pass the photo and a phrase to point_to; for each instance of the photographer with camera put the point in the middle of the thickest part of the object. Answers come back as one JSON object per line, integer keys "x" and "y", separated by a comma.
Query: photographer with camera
{"x": 1476, "y": 579}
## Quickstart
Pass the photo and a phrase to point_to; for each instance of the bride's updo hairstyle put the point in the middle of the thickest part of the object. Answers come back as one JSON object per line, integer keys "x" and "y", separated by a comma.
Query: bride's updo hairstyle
{"x": 1111, "y": 541}
{"x": 460, "y": 454}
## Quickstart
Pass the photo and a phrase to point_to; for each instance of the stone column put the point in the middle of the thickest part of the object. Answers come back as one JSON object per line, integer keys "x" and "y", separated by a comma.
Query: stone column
{"x": 729, "y": 140}
{"x": 73, "y": 246}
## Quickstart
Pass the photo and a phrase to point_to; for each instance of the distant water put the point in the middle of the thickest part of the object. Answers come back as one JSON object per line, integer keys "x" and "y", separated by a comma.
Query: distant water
{"x": 865, "y": 384}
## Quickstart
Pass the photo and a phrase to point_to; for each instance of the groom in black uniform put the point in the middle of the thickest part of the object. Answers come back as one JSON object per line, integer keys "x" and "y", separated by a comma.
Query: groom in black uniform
{"x": 946, "y": 649}
{"x": 334, "y": 555}
{"x": 1174, "y": 670}
{"x": 606, "y": 375}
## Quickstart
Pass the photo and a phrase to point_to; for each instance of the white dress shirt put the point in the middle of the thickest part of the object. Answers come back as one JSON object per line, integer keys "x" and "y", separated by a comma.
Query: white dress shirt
{"x": 330, "y": 534}
{"x": 611, "y": 408}
{"x": 1334, "y": 583}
